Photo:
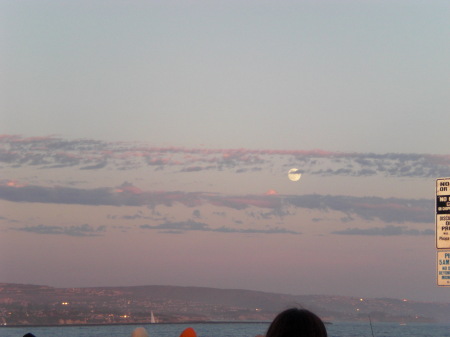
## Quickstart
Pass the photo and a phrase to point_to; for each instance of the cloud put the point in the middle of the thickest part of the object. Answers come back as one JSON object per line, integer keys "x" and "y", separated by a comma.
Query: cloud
{"x": 180, "y": 226}
{"x": 60, "y": 195}
{"x": 85, "y": 154}
{"x": 183, "y": 226}
{"x": 8, "y": 220}
{"x": 368, "y": 208}
{"x": 242, "y": 202}
{"x": 132, "y": 217}
{"x": 275, "y": 230}
{"x": 128, "y": 195}
{"x": 80, "y": 231}
{"x": 95, "y": 166}
{"x": 385, "y": 231}
{"x": 125, "y": 195}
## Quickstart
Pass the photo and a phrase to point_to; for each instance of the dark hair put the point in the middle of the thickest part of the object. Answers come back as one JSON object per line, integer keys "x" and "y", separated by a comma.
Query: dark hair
{"x": 297, "y": 323}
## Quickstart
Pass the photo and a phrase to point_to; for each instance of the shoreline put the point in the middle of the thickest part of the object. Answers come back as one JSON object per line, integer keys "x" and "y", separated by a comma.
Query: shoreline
{"x": 141, "y": 323}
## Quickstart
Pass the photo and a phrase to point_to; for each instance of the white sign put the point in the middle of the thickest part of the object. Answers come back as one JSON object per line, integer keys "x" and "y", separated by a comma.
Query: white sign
{"x": 443, "y": 213}
{"x": 443, "y": 231}
{"x": 443, "y": 268}
{"x": 443, "y": 186}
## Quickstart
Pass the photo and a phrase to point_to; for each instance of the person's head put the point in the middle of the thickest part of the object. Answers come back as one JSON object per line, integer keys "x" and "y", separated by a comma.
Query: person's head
{"x": 139, "y": 332}
{"x": 297, "y": 323}
{"x": 29, "y": 335}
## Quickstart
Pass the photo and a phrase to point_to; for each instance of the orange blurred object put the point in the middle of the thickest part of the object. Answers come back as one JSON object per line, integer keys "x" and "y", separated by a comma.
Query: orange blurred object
{"x": 188, "y": 332}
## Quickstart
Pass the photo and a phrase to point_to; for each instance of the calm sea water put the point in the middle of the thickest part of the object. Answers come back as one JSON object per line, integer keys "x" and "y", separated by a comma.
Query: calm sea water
{"x": 337, "y": 329}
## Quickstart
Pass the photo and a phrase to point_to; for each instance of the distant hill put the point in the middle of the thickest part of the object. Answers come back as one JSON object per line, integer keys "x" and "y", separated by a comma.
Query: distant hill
{"x": 34, "y": 304}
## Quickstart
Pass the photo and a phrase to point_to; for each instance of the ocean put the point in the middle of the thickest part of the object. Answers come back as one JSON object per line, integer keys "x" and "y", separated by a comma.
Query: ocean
{"x": 337, "y": 329}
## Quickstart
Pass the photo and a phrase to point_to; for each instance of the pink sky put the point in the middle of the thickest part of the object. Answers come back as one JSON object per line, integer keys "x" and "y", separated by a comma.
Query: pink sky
{"x": 74, "y": 222}
{"x": 148, "y": 142}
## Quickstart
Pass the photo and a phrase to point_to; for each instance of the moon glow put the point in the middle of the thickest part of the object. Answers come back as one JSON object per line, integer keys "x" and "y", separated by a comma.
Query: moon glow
{"x": 294, "y": 174}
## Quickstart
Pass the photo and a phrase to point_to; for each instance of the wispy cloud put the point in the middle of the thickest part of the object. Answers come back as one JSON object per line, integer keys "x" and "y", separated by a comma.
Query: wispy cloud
{"x": 369, "y": 208}
{"x": 234, "y": 210}
{"x": 385, "y": 231}
{"x": 180, "y": 227}
{"x": 53, "y": 152}
{"x": 7, "y": 220}
{"x": 81, "y": 231}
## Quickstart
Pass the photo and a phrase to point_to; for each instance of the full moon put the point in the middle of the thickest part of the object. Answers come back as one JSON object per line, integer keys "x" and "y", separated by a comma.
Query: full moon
{"x": 294, "y": 174}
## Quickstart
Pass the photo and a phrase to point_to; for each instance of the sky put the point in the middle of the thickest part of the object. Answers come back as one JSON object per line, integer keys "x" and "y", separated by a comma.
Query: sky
{"x": 149, "y": 143}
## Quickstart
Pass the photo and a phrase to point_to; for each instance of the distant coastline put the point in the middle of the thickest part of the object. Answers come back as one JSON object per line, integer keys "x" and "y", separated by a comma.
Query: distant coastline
{"x": 37, "y": 305}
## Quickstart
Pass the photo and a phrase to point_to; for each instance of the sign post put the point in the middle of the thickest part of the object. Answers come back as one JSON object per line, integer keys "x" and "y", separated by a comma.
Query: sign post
{"x": 443, "y": 231}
